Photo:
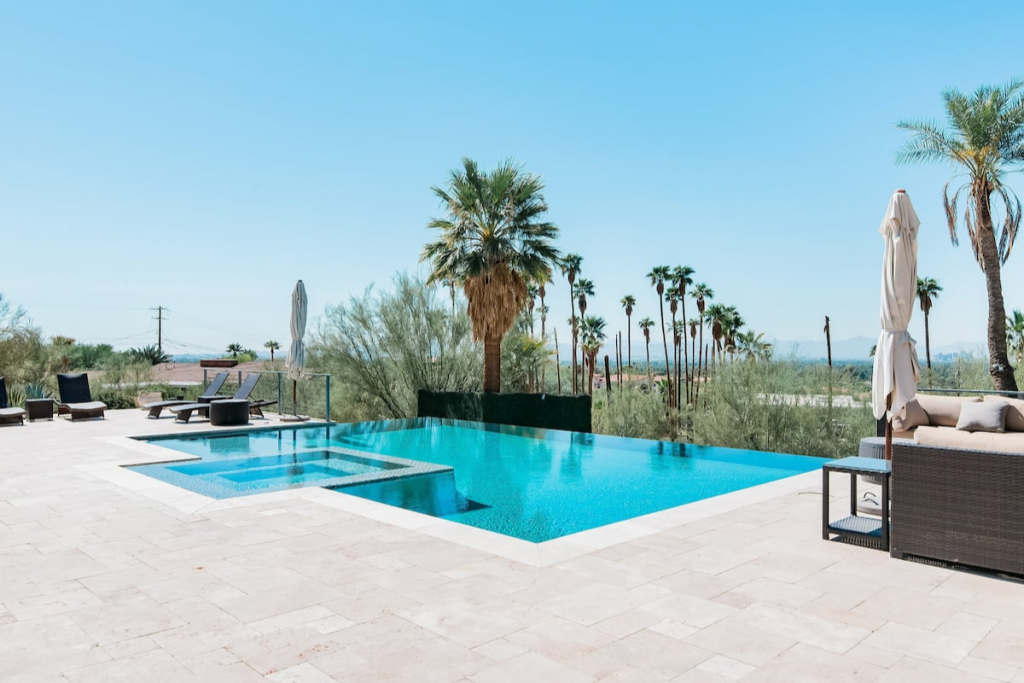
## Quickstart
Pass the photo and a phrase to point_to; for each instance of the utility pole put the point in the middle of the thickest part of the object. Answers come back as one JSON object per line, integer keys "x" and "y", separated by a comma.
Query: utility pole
{"x": 159, "y": 328}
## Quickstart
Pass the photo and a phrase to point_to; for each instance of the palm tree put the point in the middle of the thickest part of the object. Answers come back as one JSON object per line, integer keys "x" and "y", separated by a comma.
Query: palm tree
{"x": 693, "y": 357}
{"x": 985, "y": 137}
{"x": 235, "y": 348}
{"x": 628, "y": 302}
{"x": 531, "y": 301}
{"x": 753, "y": 346}
{"x": 672, "y": 295}
{"x": 646, "y": 324}
{"x": 1015, "y": 334}
{"x": 592, "y": 336}
{"x": 658, "y": 275}
{"x": 732, "y": 323}
{"x": 701, "y": 293}
{"x": 716, "y": 316}
{"x": 682, "y": 277}
{"x": 542, "y": 292}
{"x": 494, "y": 240}
{"x": 927, "y": 292}
{"x": 273, "y": 346}
{"x": 449, "y": 283}
{"x": 571, "y": 268}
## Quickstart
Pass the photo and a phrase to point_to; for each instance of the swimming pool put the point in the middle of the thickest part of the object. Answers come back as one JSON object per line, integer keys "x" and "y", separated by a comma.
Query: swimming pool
{"x": 530, "y": 484}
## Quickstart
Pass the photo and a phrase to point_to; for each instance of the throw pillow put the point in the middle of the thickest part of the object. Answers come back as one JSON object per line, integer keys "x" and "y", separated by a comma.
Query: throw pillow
{"x": 982, "y": 417}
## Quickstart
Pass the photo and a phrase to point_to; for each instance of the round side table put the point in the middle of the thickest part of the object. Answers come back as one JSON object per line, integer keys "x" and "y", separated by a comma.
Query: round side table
{"x": 229, "y": 412}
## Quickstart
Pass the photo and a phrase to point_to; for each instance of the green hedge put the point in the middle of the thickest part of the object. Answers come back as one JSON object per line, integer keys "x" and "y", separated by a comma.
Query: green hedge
{"x": 543, "y": 411}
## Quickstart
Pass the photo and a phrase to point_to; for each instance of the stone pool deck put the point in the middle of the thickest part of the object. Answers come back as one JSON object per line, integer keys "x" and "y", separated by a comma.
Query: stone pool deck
{"x": 108, "y": 576}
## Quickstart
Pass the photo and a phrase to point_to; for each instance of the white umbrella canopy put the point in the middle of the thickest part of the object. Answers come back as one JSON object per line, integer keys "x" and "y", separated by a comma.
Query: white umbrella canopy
{"x": 896, "y": 370}
{"x": 296, "y": 362}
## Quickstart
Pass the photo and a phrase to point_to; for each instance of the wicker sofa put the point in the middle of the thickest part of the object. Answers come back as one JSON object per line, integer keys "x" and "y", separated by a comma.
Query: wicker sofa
{"x": 958, "y": 505}
{"x": 931, "y": 421}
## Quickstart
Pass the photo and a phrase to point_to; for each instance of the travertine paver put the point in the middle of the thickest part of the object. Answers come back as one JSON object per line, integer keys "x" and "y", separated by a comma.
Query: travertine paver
{"x": 108, "y": 576}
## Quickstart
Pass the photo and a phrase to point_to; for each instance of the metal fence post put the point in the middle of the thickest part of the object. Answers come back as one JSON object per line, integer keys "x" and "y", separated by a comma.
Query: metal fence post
{"x": 239, "y": 378}
{"x": 280, "y": 408}
{"x": 327, "y": 406}
{"x": 205, "y": 383}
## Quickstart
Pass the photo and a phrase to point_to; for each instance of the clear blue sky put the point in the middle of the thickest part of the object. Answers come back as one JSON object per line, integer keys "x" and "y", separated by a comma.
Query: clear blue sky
{"x": 167, "y": 153}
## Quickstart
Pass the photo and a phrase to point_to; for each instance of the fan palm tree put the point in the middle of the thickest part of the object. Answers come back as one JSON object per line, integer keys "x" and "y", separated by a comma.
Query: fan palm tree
{"x": 493, "y": 240}
{"x": 646, "y": 324}
{"x": 1015, "y": 334}
{"x": 732, "y": 323}
{"x": 752, "y": 345}
{"x": 628, "y": 302}
{"x": 273, "y": 346}
{"x": 584, "y": 288}
{"x": 531, "y": 302}
{"x": 927, "y": 292}
{"x": 571, "y": 266}
{"x": 542, "y": 292}
{"x": 592, "y": 336}
{"x": 672, "y": 296}
{"x": 235, "y": 348}
{"x": 716, "y": 315}
{"x": 449, "y": 283}
{"x": 693, "y": 357}
{"x": 658, "y": 276}
{"x": 701, "y": 293}
{"x": 682, "y": 277}
{"x": 984, "y": 139}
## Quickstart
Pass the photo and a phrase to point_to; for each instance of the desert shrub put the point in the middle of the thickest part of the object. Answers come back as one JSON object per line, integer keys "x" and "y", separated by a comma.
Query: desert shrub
{"x": 381, "y": 348}
{"x": 633, "y": 413}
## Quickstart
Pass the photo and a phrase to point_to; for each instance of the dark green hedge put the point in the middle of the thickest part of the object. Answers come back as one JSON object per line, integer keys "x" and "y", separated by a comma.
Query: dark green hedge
{"x": 543, "y": 411}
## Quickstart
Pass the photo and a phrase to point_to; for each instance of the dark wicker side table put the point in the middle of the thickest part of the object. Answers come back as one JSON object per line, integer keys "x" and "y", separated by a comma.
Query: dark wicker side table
{"x": 867, "y": 529}
{"x": 229, "y": 412}
{"x": 39, "y": 409}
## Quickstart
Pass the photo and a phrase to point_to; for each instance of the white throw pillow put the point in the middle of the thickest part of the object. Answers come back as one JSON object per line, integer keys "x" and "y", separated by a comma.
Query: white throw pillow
{"x": 983, "y": 417}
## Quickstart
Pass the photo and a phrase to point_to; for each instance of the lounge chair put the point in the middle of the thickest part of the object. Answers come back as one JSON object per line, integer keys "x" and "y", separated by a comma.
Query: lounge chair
{"x": 9, "y": 415}
{"x": 183, "y": 413}
{"x": 210, "y": 394}
{"x": 75, "y": 397}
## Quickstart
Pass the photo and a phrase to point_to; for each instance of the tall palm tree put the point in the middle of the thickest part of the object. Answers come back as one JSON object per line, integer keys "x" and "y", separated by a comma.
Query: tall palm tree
{"x": 672, "y": 296}
{"x": 449, "y": 283}
{"x": 678, "y": 344}
{"x": 531, "y": 302}
{"x": 682, "y": 277}
{"x": 235, "y": 348}
{"x": 583, "y": 288}
{"x": 984, "y": 139}
{"x": 716, "y": 315}
{"x": 752, "y": 345}
{"x": 732, "y": 323}
{"x": 1015, "y": 334}
{"x": 628, "y": 302}
{"x": 493, "y": 240}
{"x": 570, "y": 265}
{"x": 658, "y": 275}
{"x": 701, "y": 293}
{"x": 927, "y": 292}
{"x": 592, "y": 336}
{"x": 646, "y": 324}
{"x": 273, "y": 346}
{"x": 693, "y": 357}
{"x": 542, "y": 292}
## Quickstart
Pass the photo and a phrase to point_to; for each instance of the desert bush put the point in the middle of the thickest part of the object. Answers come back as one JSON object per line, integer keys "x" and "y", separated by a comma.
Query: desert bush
{"x": 381, "y": 348}
{"x": 631, "y": 412}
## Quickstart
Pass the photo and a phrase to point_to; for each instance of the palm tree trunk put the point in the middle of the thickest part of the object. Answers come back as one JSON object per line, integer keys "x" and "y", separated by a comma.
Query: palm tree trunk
{"x": 664, "y": 341}
{"x": 591, "y": 359}
{"x": 686, "y": 356}
{"x": 558, "y": 365}
{"x": 927, "y": 343}
{"x": 700, "y": 347}
{"x": 629, "y": 340}
{"x": 492, "y": 364}
{"x": 650, "y": 378}
{"x": 572, "y": 309}
{"x": 999, "y": 362}
{"x": 668, "y": 366}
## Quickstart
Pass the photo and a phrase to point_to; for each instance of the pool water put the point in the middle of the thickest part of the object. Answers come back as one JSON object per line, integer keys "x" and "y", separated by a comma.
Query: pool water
{"x": 531, "y": 484}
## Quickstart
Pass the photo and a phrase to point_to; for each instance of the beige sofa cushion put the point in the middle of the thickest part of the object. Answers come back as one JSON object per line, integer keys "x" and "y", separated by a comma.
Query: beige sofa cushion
{"x": 943, "y": 411}
{"x": 1014, "y": 414}
{"x": 983, "y": 417}
{"x": 915, "y": 416}
{"x": 950, "y": 437}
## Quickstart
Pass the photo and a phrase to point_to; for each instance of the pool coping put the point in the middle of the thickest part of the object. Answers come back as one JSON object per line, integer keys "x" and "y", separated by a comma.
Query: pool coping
{"x": 534, "y": 554}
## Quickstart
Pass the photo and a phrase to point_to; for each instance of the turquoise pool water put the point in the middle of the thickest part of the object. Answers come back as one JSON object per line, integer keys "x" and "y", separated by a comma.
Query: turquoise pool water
{"x": 535, "y": 485}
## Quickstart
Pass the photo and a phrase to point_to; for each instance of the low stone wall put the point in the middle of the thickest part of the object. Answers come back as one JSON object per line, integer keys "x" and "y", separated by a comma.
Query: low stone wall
{"x": 543, "y": 411}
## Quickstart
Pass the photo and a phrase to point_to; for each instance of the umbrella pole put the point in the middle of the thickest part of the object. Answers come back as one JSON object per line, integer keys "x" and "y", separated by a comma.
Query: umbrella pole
{"x": 295, "y": 404}
{"x": 888, "y": 428}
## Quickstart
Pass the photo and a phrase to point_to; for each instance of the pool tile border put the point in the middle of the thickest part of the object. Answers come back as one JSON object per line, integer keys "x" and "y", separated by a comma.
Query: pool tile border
{"x": 533, "y": 554}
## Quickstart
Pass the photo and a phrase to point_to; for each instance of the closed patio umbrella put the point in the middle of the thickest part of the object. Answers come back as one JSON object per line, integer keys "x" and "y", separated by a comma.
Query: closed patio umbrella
{"x": 896, "y": 370}
{"x": 296, "y": 362}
